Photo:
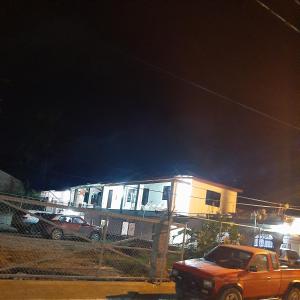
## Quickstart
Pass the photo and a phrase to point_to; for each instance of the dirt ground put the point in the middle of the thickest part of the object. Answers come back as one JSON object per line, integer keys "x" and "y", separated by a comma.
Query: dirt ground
{"x": 77, "y": 290}
{"x": 21, "y": 254}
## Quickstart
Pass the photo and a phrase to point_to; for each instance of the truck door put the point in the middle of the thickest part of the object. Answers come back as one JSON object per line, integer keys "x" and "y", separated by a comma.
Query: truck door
{"x": 274, "y": 278}
{"x": 257, "y": 280}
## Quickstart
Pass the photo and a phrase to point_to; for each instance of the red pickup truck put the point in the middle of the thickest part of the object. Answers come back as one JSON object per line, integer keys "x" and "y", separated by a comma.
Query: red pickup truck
{"x": 230, "y": 272}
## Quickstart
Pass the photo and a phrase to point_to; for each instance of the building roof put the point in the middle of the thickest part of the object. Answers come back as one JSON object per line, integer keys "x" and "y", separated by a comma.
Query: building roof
{"x": 163, "y": 179}
{"x": 212, "y": 183}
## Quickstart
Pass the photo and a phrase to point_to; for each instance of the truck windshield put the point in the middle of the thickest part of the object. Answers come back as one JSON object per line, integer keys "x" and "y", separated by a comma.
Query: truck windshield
{"x": 229, "y": 257}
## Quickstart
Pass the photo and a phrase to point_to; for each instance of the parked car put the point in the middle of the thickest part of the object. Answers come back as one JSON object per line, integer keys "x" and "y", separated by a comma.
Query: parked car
{"x": 68, "y": 226}
{"x": 231, "y": 272}
{"x": 23, "y": 221}
{"x": 289, "y": 258}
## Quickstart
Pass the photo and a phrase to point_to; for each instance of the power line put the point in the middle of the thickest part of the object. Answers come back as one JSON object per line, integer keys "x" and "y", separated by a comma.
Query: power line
{"x": 224, "y": 222}
{"x": 259, "y": 205}
{"x": 287, "y": 23}
{"x": 258, "y": 200}
{"x": 203, "y": 88}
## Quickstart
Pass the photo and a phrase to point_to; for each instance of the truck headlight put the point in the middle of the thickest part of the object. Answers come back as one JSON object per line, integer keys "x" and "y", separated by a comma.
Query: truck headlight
{"x": 208, "y": 284}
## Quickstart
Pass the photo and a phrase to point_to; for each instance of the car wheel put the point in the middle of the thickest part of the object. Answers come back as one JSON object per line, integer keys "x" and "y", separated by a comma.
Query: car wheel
{"x": 33, "y": 230}
{"x": 21, "y": 230}
{"x": 57, "y": 234}
{"x": 293, "y": 294}
{"x": 95, "y": 236}
{"x": 231, "y": 294}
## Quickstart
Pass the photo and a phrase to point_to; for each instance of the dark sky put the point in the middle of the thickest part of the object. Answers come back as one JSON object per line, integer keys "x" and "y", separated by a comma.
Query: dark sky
{"x": 79, "y": 106}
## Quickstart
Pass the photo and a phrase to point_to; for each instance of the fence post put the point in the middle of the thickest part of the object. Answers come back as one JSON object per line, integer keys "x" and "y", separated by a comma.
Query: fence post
{"x": 183, "y": 242}
{"x": 103, "y": 245}
{"x": 160, "y": 247}
{"x": 220, "y": 233}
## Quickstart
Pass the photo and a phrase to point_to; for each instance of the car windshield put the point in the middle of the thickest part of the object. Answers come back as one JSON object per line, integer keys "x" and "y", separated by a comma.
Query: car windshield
{"x": 229, "y": 257}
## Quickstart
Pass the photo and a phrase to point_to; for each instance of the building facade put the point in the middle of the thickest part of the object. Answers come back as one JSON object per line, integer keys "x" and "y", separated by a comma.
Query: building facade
{"x": 179, "y": 195}
{"x": 183, "y": 195}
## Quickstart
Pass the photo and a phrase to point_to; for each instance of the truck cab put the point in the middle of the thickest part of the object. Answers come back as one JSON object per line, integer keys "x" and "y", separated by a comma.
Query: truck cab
{"x": 231, "y": 272}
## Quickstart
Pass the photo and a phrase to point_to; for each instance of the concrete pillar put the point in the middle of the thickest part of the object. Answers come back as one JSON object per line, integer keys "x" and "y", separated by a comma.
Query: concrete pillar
{"x": 158, "y": 259}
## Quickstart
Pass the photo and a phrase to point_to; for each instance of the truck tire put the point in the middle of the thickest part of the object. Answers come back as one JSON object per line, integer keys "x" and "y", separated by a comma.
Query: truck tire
{"x": 231, "y": 294}
{"x": 293, "y": 294}
{"x": 180, "y": 293}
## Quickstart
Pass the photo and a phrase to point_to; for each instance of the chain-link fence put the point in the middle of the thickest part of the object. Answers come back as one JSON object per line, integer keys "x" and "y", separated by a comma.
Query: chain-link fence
{"x": 43, "y": 239}
{"x": 50, "y": 240}
{"x": 201, "y": 234}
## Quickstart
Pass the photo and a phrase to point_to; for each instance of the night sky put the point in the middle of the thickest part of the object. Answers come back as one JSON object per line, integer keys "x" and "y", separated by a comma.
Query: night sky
{"x": 81, "y": 101}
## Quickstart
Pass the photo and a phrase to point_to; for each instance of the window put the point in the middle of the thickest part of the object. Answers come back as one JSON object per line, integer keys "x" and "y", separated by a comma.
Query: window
{"x": 131, "y": 195}
{"x": 264, "y": 241}
{"x": 109, "y": 199}
{"x": 99, "y": 199}
{"x": 86, "y": 197}
{"x": 274, "y": 260}
{"x": 260, "y": 261}
{"x": 166, "y": 193}
{"x": 212, "y": 198}
{"x": 78, "y": 220}
{"x": 145, "y": 196}
{"x": 65, "y": 219}
{"x": 229, "y": 257}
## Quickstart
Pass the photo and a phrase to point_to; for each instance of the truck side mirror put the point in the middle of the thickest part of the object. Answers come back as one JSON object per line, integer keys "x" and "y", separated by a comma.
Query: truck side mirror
{"x": 253, "y": 269}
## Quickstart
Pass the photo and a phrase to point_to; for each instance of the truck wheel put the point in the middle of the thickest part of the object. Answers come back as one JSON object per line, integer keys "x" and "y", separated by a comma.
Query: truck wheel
{"x": 293, "y": 294}
{"x": 180, "y": 294}
{"x": 231, "y": 294}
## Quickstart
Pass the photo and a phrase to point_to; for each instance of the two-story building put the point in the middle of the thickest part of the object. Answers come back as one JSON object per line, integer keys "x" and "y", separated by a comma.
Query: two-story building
{"x": 181, "y": 195}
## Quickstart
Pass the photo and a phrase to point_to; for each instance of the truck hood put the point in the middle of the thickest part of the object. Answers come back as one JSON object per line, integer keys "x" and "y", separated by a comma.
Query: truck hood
{"x": 199, "y": 266}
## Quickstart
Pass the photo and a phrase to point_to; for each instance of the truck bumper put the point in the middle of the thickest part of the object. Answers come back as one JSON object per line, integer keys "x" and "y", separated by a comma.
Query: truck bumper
{"x": 192, "y": 289}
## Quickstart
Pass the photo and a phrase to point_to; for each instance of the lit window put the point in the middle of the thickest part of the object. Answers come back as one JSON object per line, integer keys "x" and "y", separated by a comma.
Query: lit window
{"x": 264, "y": 241}
{"x": 131, "y": 195}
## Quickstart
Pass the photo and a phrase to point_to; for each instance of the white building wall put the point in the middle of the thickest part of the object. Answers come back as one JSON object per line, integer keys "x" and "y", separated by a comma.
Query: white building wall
{"x": 118, "y": 191}
{"x": 58, "y": 197}
{"x": 183, "y": 191}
